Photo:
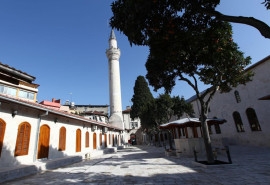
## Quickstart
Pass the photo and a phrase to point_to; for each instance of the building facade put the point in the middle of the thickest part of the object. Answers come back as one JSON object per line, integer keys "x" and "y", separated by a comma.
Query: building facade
{"x": 132, "y": 128}
{"x": 245, "y": 108}
{"x": 31, "y": 131}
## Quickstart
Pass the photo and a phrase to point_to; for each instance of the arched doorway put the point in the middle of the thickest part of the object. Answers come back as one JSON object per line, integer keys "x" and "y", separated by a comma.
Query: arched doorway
{"x": 2, "y": 133}
{"x": 105, "y": 140}
{"x": 94, "y": 141}
{"x": 43, "y": 143}
{"x": 78, "y": 140}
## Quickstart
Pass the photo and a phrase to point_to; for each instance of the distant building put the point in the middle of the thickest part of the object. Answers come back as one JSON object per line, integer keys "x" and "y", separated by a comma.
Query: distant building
{"x": 132, "y": 126}
{"x": 93, "y": 112}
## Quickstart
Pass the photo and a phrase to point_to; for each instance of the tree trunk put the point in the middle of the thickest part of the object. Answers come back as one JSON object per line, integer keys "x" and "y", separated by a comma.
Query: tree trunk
{"x": 207, "y": 140}
{"x": 159, "y": 142}
{"x": 170, "y": 140}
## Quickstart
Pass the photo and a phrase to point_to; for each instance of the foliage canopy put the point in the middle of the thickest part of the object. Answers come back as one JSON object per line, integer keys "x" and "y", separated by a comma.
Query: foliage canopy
{"x": 188, "y": 41}
{"x": 142, "y": 102}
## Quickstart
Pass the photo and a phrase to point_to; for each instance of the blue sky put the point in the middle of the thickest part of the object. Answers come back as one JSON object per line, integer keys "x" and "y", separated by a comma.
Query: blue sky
{"x": 63, "y": 42}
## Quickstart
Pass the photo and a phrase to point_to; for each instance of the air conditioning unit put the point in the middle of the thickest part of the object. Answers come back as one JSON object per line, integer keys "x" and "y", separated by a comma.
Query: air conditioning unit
{"x": 94, "y": 127}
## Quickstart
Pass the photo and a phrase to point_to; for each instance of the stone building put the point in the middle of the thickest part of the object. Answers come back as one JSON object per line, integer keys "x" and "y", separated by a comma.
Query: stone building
{"x": 246, "y": 109}
{"x": 132, "y": 127}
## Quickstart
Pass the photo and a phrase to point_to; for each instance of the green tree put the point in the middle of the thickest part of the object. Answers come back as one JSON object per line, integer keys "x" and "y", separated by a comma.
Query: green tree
{"x": 180, "y": 107}
{"x": 266, "y": 4}
{"x": 166, "y": 107}
{"x": 185, "y": 44}
{"x": 143, "y": 16}
{"x": 142, "y": 102}
{"x": 163, "y": 109}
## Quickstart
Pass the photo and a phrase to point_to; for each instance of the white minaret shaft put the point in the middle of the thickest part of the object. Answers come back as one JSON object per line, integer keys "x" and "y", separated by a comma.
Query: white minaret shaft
{"x": 113, "y": 55}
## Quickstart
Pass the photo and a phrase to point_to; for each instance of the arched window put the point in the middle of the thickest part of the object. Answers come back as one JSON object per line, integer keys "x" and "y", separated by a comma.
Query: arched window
{"x": 238, "y": 122}
{"x": 87, "y": 139}
{"x": 62, "y": 139}
{"x": 78, "y": 140}
{"x": 2, "y": 133}
{"x": 23, "y": 138}
{"x": 237, "y": 96}
{"x": 253, "y": 120}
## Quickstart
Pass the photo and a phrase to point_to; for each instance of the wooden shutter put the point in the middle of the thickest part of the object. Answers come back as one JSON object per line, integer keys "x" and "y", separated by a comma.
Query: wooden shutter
{"x": 2, "y": 133}
{"x": 62, "y": 139}
{"x": 87, "y": 139}
{"x": 23, "y": 138}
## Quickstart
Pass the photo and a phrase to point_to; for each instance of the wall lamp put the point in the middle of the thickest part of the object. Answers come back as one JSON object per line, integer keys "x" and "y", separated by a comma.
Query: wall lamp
{"x": 55, "y": 120}
{"x": 14, "y": 113}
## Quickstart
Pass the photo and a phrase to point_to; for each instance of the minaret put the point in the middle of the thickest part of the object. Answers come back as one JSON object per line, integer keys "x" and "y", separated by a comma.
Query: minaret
{"x": 113, "y": 55}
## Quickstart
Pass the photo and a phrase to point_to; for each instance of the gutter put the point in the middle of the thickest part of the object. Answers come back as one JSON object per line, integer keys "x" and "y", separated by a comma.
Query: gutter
{"x": 37, "y": 135}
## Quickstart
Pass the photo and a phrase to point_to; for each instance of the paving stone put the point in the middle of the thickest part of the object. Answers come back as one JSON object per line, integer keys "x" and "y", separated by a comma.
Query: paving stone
{"x": 148, "y": 165}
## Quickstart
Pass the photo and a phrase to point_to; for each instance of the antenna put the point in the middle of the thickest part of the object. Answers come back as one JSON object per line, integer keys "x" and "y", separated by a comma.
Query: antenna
{"x": 70, "y": 96}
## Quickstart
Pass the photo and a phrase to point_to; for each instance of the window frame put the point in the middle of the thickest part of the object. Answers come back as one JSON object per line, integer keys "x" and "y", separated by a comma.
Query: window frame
{"x": 253, "y": 120}
{"x": 238, "y": 122}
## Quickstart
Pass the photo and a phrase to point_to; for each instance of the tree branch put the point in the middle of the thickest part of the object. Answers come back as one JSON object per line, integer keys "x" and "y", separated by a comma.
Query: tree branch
{"x": 262, "y": 27}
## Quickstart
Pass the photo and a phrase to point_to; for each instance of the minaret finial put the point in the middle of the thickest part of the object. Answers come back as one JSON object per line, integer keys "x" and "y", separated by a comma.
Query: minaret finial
{"x": 112, "y": 36}
{"x": 112, "y": 40}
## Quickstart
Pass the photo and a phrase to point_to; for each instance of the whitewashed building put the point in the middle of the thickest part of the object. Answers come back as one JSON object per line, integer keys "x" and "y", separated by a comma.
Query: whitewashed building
{"x": 31, "y": 132}
{"x": 246, "y": 109}
{"x": 132, "y": 127}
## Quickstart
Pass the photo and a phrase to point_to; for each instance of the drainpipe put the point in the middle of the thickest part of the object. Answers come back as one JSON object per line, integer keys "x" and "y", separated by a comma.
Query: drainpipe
{"x": 37, "y": 135}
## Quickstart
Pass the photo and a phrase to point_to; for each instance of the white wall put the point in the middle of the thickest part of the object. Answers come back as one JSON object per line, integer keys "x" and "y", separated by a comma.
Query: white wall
{"x": 223, "y": 105}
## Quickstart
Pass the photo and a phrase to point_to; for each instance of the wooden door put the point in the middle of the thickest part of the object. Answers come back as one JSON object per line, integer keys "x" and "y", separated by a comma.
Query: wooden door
{"x": 2, "y": 133}
{"x": 43, "y": 143}
{"x": 94, "y": 141}
{"x": 78, "y": 140}
{"x": 105, "y": 140}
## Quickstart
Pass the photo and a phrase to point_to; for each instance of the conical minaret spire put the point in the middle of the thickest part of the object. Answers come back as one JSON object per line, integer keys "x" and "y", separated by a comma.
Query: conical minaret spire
{"x": 113, "y": 55}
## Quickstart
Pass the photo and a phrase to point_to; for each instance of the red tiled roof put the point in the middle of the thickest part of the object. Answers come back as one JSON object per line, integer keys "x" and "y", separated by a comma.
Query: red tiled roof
{"x": 50, "y": 104}
{"x": 53, "y": 110}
